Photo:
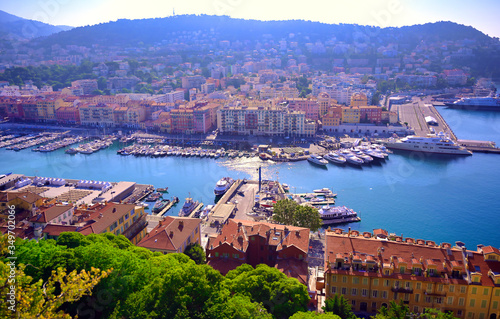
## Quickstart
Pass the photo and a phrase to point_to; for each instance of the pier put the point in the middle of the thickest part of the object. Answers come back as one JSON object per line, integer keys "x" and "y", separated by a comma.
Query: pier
{"x": 168, "y": 207}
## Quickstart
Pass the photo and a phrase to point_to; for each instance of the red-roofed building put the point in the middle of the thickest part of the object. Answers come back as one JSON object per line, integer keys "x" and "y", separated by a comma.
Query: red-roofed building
{"x": 371, "y": 271}
{"x": 173, "y": 235}
{"x": 242, "y": 241}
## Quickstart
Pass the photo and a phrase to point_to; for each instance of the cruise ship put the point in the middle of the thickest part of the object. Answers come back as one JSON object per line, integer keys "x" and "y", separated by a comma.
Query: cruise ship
{"x": 476, "y": 103}
{"x": 332, "y": 215}
{"x": 439, "y": 144}
{"x": 223, "y": 186}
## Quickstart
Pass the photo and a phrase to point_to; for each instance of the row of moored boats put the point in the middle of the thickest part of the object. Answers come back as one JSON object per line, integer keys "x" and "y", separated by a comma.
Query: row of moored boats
{"x": 360, "y": 155}
{"x": 167, "y": 150}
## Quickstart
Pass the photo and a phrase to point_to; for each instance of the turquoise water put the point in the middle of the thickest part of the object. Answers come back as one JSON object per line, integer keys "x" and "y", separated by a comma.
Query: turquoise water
{"x": 440, "y": 198}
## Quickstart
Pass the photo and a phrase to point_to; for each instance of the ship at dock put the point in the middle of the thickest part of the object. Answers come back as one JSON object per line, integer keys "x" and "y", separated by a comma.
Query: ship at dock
{"x": 438, "y": 144}
{"x": 476, "y": 104}
{"x": 332, "y": 215}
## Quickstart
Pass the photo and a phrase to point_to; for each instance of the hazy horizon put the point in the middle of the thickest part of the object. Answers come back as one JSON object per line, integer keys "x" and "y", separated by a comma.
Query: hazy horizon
{"x": 390, "y": 13}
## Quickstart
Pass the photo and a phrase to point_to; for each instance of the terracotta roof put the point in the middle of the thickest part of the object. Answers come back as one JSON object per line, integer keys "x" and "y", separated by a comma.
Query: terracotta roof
{"x": 99, "y": 217}
{"x": 275, "y": 235}
{"x": 56, "y": 230}
{"x": 490, "y": 250}
{"x": 382, "y": 251}
{"x": 28, "y": 197}
{"x": 478, "y": 264}
{"x": 170, "y": 233}
{"x": 378, "y": 232}
{"x": 19, "y": 232}
{"x": 294, "y": 268}
{"x": 224, "y": 265}
{"x": 50, "y": 213}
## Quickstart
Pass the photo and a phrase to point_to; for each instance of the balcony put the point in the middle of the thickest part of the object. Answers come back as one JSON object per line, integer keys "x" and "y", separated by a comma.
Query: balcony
{"x": 402, "y": 290}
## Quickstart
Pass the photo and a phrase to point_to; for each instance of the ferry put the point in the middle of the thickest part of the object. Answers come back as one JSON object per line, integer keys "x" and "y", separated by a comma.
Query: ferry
{"x": 188, "y": 207}
{"x": 223, "y": 186}
{"x": 432, "y": 143}
{"x": 332, "y": 215}
{"x": 318, "y": 160}
{"x": 476, "y": 103}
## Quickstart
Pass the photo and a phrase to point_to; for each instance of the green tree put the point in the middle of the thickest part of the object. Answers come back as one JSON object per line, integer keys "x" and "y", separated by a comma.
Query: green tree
{"x": 314, "y": 315}
{"x": 280, "y": 295}
{"x": 401, "y": 311}
{"x": 288, "y": 212}
{"x": 38, "y": 299}
{"x": 196, "y": 253}
{"x": 340, "y": 306}
{"x": 284, "y": 211}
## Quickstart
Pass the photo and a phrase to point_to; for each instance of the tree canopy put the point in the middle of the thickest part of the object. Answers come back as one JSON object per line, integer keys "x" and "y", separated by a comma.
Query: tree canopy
{"x": 288, "y": 212}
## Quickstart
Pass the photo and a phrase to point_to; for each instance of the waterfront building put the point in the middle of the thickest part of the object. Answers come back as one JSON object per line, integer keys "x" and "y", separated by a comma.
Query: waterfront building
{"x": 68, "y": 115}
{"x": 253, "y": 243}
{"x": 88, "y": 86}
{"x": 332, "y": 119}
{"x": 97, "y": 114}
{"x": 350, "y": 114}
{"x": 128, "y": 220}
{"x": 324, "y": 103}
{"x": 20, "y": 200}
{"x": 11, "y": 107}
{"x": 309, "y": 106}
{"x": 370, "y": 114}
{"x": 371, "y": 269}
{"x": 173, "y": 235}
{"x": 263, "y": 119}
{"x": 455, "y": 77}
{"x": 30, "y": 110}
{"x": 120, "y": 99}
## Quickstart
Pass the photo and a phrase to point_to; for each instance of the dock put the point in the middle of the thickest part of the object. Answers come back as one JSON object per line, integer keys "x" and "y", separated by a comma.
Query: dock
{"x": 479, "y": 146}
{"x": 167, "y": 208}
{"x": 222, "y": 210}
{"x": 195, "y": 211}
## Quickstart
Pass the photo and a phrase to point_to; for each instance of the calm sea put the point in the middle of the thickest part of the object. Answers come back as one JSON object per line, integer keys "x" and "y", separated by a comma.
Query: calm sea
{"x": 440, "y": 198}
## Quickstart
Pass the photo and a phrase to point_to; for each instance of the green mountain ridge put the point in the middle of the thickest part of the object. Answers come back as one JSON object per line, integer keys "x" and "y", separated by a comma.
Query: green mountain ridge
{"x": 15, "y": 27}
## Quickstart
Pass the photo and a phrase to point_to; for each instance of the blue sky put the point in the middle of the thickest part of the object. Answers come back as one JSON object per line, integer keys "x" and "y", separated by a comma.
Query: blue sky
{"x": 482, "y": 14}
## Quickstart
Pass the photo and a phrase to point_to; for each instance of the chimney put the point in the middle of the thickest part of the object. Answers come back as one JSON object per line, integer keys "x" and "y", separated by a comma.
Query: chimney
{"x": 114, "y": 209}
{"x": 171, "y": 233}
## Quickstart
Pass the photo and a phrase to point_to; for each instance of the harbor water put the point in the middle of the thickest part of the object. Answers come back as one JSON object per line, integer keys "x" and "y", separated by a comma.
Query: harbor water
{"x": 440, "y": 198}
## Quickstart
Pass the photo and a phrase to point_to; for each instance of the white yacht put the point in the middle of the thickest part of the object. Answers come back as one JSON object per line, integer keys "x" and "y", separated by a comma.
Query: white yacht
{"x": 476, "y": 103}
{"x": 440, "y": 144}
{"x": 335, "y": 158}
{"x": 318, "y": 160}
{"x": 337, "y": 215}
{"x": 223, "y": 186}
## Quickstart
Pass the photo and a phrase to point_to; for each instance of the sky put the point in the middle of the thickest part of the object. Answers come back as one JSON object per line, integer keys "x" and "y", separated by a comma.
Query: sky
{"x": 481, "y": 14}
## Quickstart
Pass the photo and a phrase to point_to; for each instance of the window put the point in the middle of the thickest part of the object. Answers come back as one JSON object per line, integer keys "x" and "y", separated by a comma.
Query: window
{"x": 402, "y": 269}
{"x": 353, "y": 303}
{"x": 481, "y": 315}
{"x": 344, "y": 279}
{"x": 120, "y": 221}
{"x": 474, "y": 290}
{"x": 497, "y": 293}
{"x": 494, "y": 305}
{"x": 126, "y": 216}
{"x": 365, "y": 281}
{"x": 450, "y": 301}
{"x": 461, "y": 301}
{"x": 374, "y": 293}
{"x": 440, "y": 287}
{"x": 428, "y": 299}
{"x": 439, "y": 300}
{"x": 483, "y": 303}
{"x": 417, "y": 297}
{"x": 387, "y": 283}
{"x": 334, "y": 290}
{"x": 344, "y": 291}
{"x": 334, "y": 278}
{"x": 429, "y": 287}
{"x": 253, "y": 238}
{"x": 354, "y": 291}
{"x": 384, "y": 294}
{"x": 419, "y": 285}
{"x": 472, "y": 303}
{"x": 375, "y": 282}
{"x": 236, "y": 256}
{"x": 486, "y": 292}
{"x": 451, "y": 288}
{"x": 216, "y": 254}
{"x": 355, "y": 280}
{"x": 364, "y": 292}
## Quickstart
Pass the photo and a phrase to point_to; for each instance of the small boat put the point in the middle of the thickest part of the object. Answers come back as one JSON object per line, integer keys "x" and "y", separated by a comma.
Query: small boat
{"x": 162, "y": 189}
{"x": 332, "y": 215}
{"x": 264, "y": 156}
{"x": 286, "y": 187}
{"x": 71, "y": 151}
{"x": 153, "y": 197}
{"x": 335, "y": 158}
{"x": 324, "y": 190}
{"x": 204, "y": 213}
{"x": 160, "y": 205}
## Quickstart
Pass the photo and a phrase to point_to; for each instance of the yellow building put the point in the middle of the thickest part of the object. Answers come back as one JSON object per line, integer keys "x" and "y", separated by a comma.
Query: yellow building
{"x": 372, "y": 269}
{"x": 350, "y": 114}
{"x": 120, "y": 219}
{"x": 46, "y": 108}
{"x": 325, "y": 103}
{"x": 20, "y": 200}
{"x": 97, "y": 114}
{"x": 359, "y": 99}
